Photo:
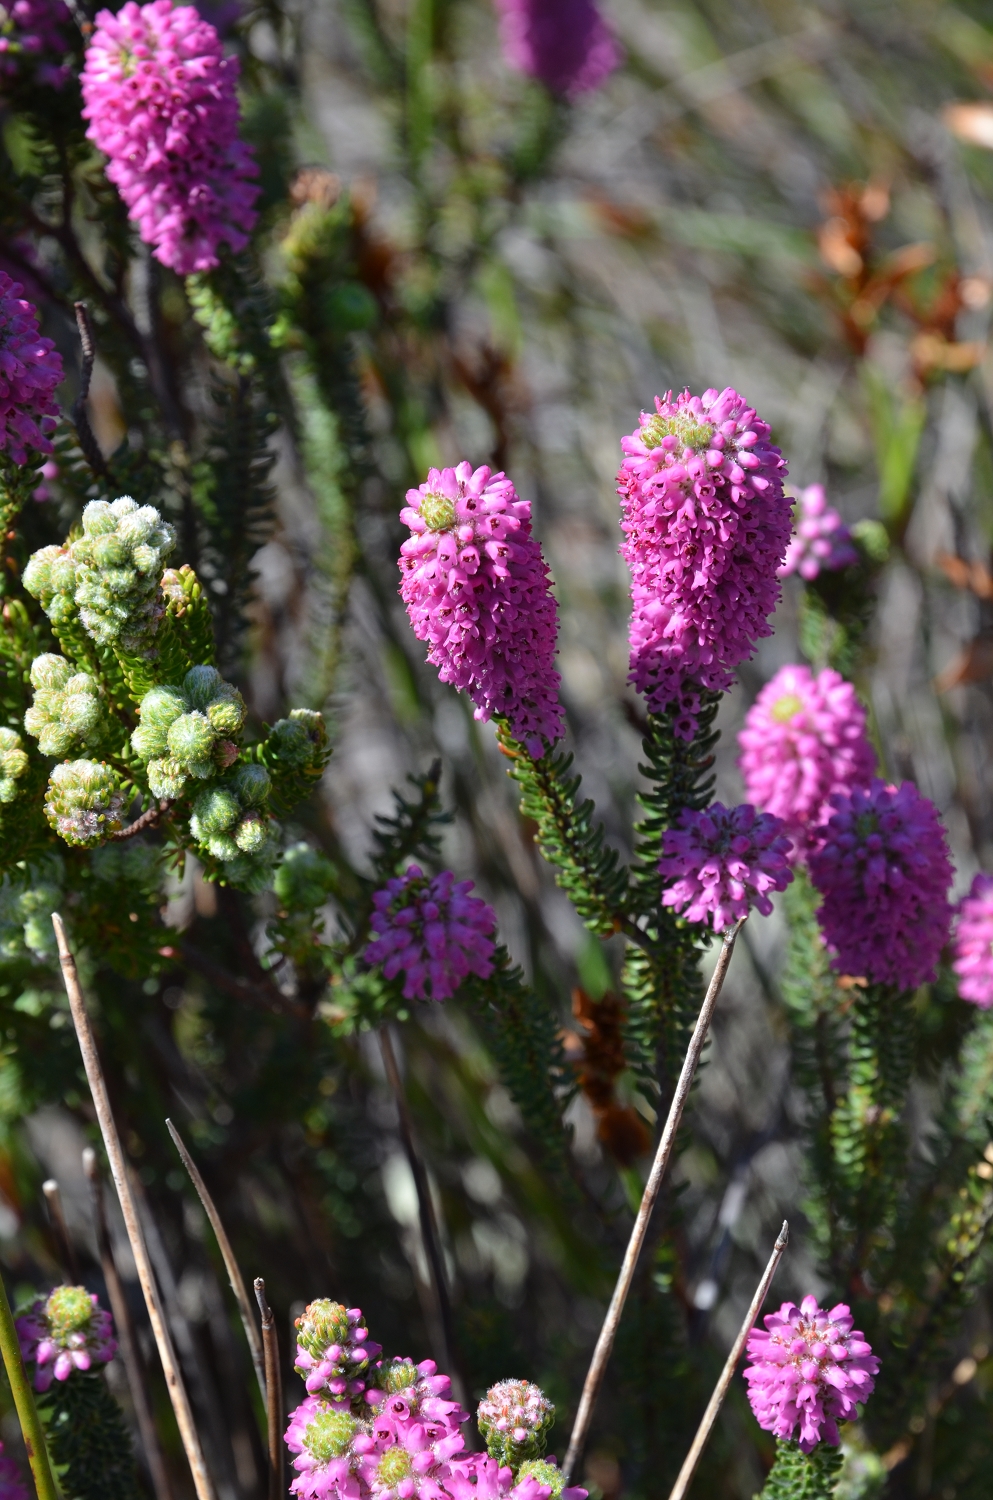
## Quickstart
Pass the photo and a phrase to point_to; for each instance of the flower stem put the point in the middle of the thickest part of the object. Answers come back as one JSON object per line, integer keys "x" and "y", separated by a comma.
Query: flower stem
{"x": 27, "y": 1412}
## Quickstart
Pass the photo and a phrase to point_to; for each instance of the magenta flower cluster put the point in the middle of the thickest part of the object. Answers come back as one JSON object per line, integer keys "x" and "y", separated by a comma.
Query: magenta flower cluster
{"x": 430, "y": 930}
{"x": 12, "y": 1486}
{"x": 334, "y": 1349}
{"x": 706, "y": 525}
{"x": 883, "y": 871}
{"x": 160, "y": 98}
{"x": 804, "y": 738}
{"x": 722, "y": 861}
{"x": 821, "y": 540}
{"x": 30, "y": 369}
{"x": 809, "y": 1371}
{"x": 36, "y": 32}
{"x": 476, "y": 589}
{"x": 64, "y": 1332}
{"x": 972, "y": 945}
{"x": 564, "y": 43}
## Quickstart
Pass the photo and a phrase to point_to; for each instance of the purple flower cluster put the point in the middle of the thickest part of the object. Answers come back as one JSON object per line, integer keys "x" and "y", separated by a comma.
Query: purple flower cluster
{"x": 723, "y": 861}
{"x": 433, "y": 932}
{"x": 706, "y": 525}
{"x": 66, "y": 1331}
{"x": 809, "y": 1371}
{"x": 972, "y": 946}
{"x": 160, "y": 98}
{"x": 476, "y": 589}
{"x": 30, "y": 369}
{"x": 821, "y": 540}
{"x": 883, "y": 871}
{"x": 36, "y": 32}
{"x": 564, "y": 43}
{"x": 333, "y": 1349}
{"x": 804, "y": 738}
{"x": 12, "y": 1486}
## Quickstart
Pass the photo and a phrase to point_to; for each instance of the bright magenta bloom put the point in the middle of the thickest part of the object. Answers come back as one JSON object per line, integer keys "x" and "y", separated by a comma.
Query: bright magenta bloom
{"x": 65, "y": 1332}
{"x": 36, "y": 33}
{"x": 724, "y": 860}
{"x": 706, "y": 525}
{"x": 884, "y": 872}
{"x": 821, "y": 540}
{"x": 160, "y": 98}
{"x": 565, "y": 43}
{"x": 809, "y": 1371}
{"x": 972, "y": 945}
{"x": 30, "y": 369}
{"x": 431, "y": 931}
{"x": 476, "y": 589}
{"x": 803, "y": 739}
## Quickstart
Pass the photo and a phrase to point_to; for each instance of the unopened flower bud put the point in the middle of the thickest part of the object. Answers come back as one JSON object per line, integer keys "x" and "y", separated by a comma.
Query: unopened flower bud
{"x": 166, "y": 777}
{"x": 13, "y": 763}
{"x": 251, "y": 784}
{"x": 227, "y": 714}
{"x": 514, "y": 1418}
{"x": 252, "y": 833}
{"x": 201, "y": 684}
{"x": 191, "y": 738}
{"x": 84, "y": 801}
{"x": 214, "y": 811}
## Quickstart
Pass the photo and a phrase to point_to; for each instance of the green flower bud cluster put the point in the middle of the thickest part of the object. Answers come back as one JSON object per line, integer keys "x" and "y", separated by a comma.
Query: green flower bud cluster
{"x": 26, "y": 918}
{"x": 544, "y": 1473}
{"x": 85, "y": 801}
{"x": 296, "y": 751}
{"x": 110, "y": 574}
{"x": 66, "y": 709}
{"x": 188, "y": 731}
{"x": 13, "y": 763}
{"x": 229, "y": 819}
{"x": 304, "y": 880}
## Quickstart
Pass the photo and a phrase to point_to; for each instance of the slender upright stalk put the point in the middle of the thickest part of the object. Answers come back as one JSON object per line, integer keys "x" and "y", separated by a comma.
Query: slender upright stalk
{"x": 611, "y": 1323}
{"x": 27, "y": 1412}
{"x": 709, "y": 1417}
{"x": 274, "y": 1393}
{"x": 53, "y": 1198}
{"x": 115, "y": 1155}
{"x": 126, "y": 1337}
{"x": 235, "y": 1278}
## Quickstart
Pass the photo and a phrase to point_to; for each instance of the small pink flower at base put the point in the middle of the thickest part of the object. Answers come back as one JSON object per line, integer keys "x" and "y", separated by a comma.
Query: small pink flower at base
{"x": 334, "y": 1349}
{"x": 161, "y": 100}
{"x": 12, "y": 1485}
{"x": 564, "y": 43}
{"x": 476, "y": 1476}
{"x": 433, "y": 932}
{"x": 330, "y": 1445}
{"x": 804, "y": 738}
{"x": 413, "y": 1465}
{"x": 65, "y": 1332}
{"x": 809, "y": 1371}
{"x": 883, "y": 872}
{"x": 404, "y": 1392}
{"x": 30, "y": 369}
{"x": 972, "y": 944}
{"x": 477, "y": 591}
{"x": 821, "y": 540}
{"x": 724, "y": 860}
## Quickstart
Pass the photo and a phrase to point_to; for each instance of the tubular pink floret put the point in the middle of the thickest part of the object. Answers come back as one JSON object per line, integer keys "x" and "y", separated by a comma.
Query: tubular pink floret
{"x": 821, "y": 541}
{"x": 160, "y": 98}
{"x": 724, "y": 860}
{"x": 565, "y": 43}
{"x": 972, "y": 945}
{"x": 476, "y": 589}
{"x": 804, "y": 738}
{"x": 810, "y": 1371}
{"x": 883, "y": 871}
{"x": 30, "y": 369}
{"x": 433, "y": 932}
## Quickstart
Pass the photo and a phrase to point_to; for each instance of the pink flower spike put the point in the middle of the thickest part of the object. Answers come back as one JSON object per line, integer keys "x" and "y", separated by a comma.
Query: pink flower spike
{"x": 972, "y": 945}
{"x": 821, "y": 541}
{"x": 723, "y": 861}
{"x": 64, "y": 1332}
{"x": 433, "y": 932}
{"x": 564, "y": 43}
{"x": 30, "y": 369}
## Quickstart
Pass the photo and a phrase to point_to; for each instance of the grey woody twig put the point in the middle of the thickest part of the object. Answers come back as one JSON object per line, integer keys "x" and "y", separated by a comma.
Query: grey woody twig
{"x": 611, "y": 1323}
{"x": 274, "y": 1393}
{"x": 53, "y": 1198}
{"x": 80, "y": 419}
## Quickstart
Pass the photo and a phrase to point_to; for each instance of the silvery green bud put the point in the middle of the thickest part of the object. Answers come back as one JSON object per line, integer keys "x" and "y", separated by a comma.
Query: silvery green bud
{"x": 84, "y": 801}
{"x": 191, "y": 738}
{"x": 66, "y": 707}
{"x": 543, "y": 1473}
{"x": 159, "y": 709}
{"x": 201, "y": 684}
{"x": 37, "y": 577}
{"x": 109, "y": 552}
{"x": 221, "y": 846}
{"x": 298, "y": 742}
{"x": 251, "y": 784}
{"x": 117, "y": 563}
{"x": 214, "y": 811}
{"x": 227, "y": 714}
{"x": 50, "y": 671}
{"x": 252, "y": 833}
{"x": 166, "y": 777}
{"x": 13, "y": 763}
{"x": 304, "y": 879}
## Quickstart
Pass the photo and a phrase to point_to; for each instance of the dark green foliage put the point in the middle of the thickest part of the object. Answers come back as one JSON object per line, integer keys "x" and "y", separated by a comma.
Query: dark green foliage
{"x": 799, "y": 1476}
{"x": 88, "y": 1440}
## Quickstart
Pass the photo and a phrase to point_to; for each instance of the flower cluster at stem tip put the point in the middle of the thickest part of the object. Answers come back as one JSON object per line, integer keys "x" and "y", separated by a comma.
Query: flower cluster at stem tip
{"x": 30, "y": 369}
{"x": 821, "y": 540}
{"x": 972, "y": 943}
{"x": 564, "y": 43}
{"x": 722, "y": 861}
{"x": 430, "y": 930}
{"x": 65, "y": 1332}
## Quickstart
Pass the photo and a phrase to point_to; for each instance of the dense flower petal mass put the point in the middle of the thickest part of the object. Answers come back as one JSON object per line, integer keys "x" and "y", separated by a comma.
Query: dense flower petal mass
{"x": 160, "y": 98}
{"x": 809, "y": 1371}
{"x": 821, "y": 540}
{"x": 66, "y": 1331}
{"x": 433, "y": 932}
{"x": 476, "y": 589}
{"x": 972, "y": 946}
{"x": 706, "y": 526}
{"x": 804, "y": 738}
{"x": 883, "y": 872}
{"x": 35, "y": 33}
{"x": 565, "y": 43}
{"x": 30, "y": 369}
{"x": 723, "y": 861}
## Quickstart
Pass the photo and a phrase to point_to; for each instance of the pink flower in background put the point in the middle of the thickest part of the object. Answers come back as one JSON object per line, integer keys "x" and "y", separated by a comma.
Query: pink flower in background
{"x": 160, "y": 98}
{"x": 12, "y": 1485}
{"x": 706, "y": 526}
{"x": 36, "y": 32}
{"x": 803, "y": 739}
{"x": 476, "y": 589}
{"x": 65, "y": 1332}
{"x": 30, "y": 369}
{"x": 564, "y": 43}
{"x": 972, "y": 945}
{"x": 724, "y": 861}
{"x": 883, "y": 871}
{"x": 431, "y": 931}
{"x": 821, "y": 540}
{"x": 808, "y": 1372}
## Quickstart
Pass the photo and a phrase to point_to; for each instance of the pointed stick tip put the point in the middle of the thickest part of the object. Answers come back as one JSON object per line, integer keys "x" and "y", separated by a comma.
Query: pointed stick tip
{"x": 60, "y": 936}
{"x": 784, "y": 1236}
{"x": 90, "y": 1163}
{"x": 50, "y": 1187}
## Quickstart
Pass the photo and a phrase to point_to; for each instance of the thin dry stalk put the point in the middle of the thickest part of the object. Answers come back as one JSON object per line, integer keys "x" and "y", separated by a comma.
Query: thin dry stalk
{"x": 716, "y": 1401}
{"x": 274, "y": 1388}
{"x": 235, "y": 1278}
{"x": 611, "y": 1323}
{"x": 53, "y": 1198}
{"x": 115, "y": 1156}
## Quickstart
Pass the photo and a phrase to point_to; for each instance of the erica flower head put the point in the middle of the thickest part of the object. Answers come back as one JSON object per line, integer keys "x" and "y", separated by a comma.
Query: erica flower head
{"x": 821, "y": 540}
{"x": 706, "y": 524}
{"x": 333, "y": 1348}
{"x": 476, "y": 589}
{"x": 30, "y": 369}
{"x": 808, "y": 1372}
{"x": 404, "y": 1393}
{"x": 883, "y": 872}
{"x": 161, "y": 100}
{"x": 723, "y": 861}
{"x": 66, "y": 1331}
{"x": 430, "y": 930}
{"x": 514, "y": 1418}
{"x": 564, "y": 43}
{"x": 972, "y": 945}
{"x": 804, "y": 738}
{"x": 330, "y": 1445}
